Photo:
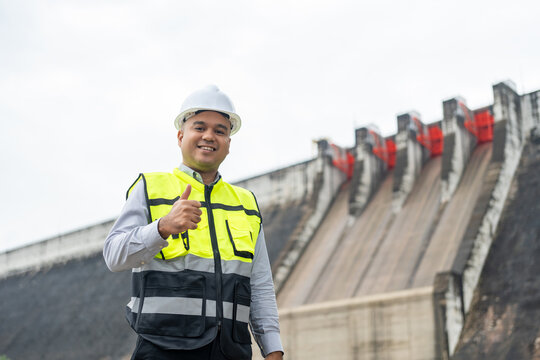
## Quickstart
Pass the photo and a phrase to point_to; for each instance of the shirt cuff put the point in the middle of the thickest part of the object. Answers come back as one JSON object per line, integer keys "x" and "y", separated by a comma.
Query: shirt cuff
{"x": 270, "y": 342}
{"x": 152, "y": 239}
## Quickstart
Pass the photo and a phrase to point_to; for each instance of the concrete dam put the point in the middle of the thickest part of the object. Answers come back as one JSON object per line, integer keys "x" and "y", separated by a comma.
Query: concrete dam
{"x": 419, "y": 245}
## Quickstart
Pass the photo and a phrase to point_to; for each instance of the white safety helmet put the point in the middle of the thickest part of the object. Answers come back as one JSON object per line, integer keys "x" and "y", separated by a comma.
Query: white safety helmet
{"x": 208, "y": 98}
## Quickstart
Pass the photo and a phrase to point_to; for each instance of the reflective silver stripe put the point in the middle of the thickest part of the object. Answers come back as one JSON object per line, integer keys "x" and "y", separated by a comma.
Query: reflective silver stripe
{"x": 242, "y": 312}
{"x": 236, "y": 267}
{"x": 132, "y": 302}
{"x": 189, "y": 261}
{"x": 211, "y": 308}
{"x": 172, "y": 305}
{"x": 187, "y": 306}
{"x": 194, "y": 262}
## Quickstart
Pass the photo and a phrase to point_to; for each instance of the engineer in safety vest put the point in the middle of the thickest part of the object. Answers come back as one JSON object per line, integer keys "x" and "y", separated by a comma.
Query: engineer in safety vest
{"x": 201, "y": 276}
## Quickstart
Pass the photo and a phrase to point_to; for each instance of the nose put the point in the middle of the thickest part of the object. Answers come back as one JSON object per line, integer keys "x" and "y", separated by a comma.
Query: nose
{"x": 208, "y": 135}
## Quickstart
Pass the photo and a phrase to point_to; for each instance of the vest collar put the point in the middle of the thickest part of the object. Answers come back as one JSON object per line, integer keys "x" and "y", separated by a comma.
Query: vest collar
{"x": 194, "y": 182}
{"x": 194, "y": 174}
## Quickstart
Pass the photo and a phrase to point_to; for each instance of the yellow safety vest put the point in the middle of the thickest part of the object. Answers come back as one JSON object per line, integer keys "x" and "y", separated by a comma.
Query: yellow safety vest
{"x": 198, "y": 285}
{"x": 235, "y": 215}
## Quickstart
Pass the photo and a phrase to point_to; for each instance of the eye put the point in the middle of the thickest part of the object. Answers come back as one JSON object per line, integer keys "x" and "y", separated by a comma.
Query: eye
{"x": 199, "y": 128}
{"x": 220, "y": 132}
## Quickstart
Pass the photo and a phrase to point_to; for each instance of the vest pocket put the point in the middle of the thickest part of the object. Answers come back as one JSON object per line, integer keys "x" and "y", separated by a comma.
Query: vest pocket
{"x": 173, "y": 304}
{"x": 199, "y": 239}
{"x": 242, "y": 301}
{"x": 190, "y": 241}
{"x": 240, "y": 237}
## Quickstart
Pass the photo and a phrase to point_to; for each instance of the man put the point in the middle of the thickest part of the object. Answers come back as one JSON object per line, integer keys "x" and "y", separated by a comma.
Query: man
{"x": 195, "y": 244}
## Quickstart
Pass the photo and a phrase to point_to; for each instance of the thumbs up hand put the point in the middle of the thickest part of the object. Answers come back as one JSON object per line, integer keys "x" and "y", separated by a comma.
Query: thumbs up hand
{"x": 186, "y": 193}
{"x": 184, "y": 215}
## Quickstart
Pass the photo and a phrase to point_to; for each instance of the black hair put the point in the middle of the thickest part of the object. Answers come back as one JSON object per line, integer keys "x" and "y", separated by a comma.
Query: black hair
{"x": 219, "y": 112}
{"x": 226, "y": 116}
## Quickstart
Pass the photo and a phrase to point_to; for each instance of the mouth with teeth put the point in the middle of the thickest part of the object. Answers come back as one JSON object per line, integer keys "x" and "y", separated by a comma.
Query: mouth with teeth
{"x": 206, "y": 148}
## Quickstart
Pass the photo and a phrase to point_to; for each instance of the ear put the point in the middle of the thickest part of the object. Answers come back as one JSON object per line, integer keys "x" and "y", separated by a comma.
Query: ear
{"x": 180, "y": 137}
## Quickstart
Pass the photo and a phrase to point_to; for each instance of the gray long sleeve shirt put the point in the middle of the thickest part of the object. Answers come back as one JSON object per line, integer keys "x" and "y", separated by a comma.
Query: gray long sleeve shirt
{"x": 132, "y": 242}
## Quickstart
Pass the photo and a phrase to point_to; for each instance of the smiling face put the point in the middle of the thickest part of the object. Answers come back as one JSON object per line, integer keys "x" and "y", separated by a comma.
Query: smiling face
{"x": 204, "y": 140}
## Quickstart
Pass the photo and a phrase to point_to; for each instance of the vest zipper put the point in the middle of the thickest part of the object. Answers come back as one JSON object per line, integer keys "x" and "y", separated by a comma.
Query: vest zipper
{"x": 185, "y": 239}
{"x": 217, "y": 256}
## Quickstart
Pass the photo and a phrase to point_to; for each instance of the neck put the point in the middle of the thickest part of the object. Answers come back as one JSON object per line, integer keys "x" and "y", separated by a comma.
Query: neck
{"x": 208, "y": 177}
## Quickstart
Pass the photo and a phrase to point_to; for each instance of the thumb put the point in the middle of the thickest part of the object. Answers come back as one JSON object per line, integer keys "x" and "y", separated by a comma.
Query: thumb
{"x": 185, "y": 194}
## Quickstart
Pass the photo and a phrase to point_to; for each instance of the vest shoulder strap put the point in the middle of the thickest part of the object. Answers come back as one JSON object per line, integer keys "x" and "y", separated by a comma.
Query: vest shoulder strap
{"x": 130, "y": 189}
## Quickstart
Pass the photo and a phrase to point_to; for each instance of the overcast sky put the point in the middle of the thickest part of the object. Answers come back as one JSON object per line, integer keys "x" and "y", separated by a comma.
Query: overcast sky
{"x": 89, "y": 89}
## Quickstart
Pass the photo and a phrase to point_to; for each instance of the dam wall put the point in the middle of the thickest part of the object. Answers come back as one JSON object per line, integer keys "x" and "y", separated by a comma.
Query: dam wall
{"x": 394, "y": 325}
{"x": 459, "y": 143}
{"x": 503, "y": 320}
{"x": 296, "y": 199}
{"x": 60, "y": 249}
{"x": 410, "y": 156}
{"x": 370, "y": 153}
{"x": 438, "y": 230}
{"x": 454, "y": 288}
